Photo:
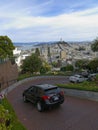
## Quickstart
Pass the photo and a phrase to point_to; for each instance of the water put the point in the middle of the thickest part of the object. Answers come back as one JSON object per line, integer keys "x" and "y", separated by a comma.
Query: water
{"x": 30, "y": 45}
{"x": 25, "y": 46}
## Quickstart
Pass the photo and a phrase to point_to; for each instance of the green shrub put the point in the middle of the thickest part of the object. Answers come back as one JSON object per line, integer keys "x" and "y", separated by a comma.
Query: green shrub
{"x": 87, "y": 86}
{"x": 5, "y": 118}
{"x": 24, "y": 76}
{"x": 7, "y": 114}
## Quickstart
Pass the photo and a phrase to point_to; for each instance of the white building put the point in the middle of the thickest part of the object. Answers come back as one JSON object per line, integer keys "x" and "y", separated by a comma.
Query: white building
{"x": 19, "y": 57}
{"x": 16, "y": 51}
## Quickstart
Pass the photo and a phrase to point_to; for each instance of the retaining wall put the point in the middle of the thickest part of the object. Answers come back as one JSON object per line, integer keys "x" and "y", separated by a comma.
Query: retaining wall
{"x": 8, "y": 74}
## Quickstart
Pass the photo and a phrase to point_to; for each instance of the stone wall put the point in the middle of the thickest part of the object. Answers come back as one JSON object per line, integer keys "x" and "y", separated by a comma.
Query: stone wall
{"x": 8, "y": 74}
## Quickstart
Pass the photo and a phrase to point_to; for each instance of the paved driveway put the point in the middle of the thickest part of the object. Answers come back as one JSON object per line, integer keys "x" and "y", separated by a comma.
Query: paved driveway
{"x": 74, "y": 114}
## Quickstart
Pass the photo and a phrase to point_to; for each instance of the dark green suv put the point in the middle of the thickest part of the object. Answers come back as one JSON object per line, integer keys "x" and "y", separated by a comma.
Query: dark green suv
{"x": 44, "y": 95}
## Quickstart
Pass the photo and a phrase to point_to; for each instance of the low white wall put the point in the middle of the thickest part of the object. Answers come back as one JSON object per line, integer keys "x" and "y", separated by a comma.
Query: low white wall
{"x": 82, "y": 94}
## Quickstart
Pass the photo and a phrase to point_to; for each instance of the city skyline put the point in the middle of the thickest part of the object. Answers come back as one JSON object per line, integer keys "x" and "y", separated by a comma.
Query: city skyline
{"x": 49, "y": 20}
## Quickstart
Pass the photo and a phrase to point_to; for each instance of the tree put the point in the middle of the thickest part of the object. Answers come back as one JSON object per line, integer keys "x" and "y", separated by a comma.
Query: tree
{"x": 45, "y": 68}
{"x": 6, "y": 47}
{"x": 37, "y": 52}
{"x": 49, "y": 55}
{"x": 54, "y": 64}
{"x": 63, "y": 68}
{"x": 81, "y": 48}
{"x": 5, "y": 119}
{"x": 94, "y": 46}
{"x": 67, "y": 68}
{"x": 31, "y": 64}
{"x": 2, "y": 53}
{"x": 93, "y": 65}
{"x": 81, "y": 64}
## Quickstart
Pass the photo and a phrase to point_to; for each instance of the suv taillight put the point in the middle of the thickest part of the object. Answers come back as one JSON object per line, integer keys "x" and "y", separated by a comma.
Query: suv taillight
{"x": 62, "y": 93}
{"x": 45, "y": 97}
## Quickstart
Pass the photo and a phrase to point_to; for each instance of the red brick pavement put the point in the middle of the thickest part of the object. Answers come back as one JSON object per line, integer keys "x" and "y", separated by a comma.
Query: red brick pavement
{"x": 74, "y": 114}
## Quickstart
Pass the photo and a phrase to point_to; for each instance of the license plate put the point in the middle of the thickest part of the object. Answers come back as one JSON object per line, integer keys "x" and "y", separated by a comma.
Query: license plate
{"x": 56, "y": 98}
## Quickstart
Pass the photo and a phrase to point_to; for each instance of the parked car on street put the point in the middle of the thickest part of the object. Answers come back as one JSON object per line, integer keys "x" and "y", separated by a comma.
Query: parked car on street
{"x": 77, "y": 78}
{"x": 85, "y": 74}
{"x": 92, "y": 77}
{"x": 43, "y": 96}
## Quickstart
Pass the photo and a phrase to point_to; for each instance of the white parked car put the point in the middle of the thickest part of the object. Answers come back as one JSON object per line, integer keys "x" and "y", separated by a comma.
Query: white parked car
{"x": 77, "y": 78}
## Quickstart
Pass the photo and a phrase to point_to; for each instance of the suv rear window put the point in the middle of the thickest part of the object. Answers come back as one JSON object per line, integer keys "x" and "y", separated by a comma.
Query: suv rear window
{"x": 52, "y": 90}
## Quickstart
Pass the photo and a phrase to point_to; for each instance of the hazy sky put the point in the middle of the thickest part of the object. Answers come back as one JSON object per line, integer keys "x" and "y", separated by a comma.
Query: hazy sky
{"x": 49, "y": 20}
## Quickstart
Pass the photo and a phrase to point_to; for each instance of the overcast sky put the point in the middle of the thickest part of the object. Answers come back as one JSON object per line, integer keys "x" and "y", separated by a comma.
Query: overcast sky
{"x": 49, "y": 20}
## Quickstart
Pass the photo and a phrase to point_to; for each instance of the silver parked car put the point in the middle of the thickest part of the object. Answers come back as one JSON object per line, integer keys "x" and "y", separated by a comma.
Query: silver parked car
{"x": 77, "y": 78}
{"x": 92, "y": 77}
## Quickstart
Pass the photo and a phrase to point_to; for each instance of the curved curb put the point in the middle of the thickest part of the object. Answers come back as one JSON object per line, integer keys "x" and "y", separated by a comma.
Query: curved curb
{"x": 82, "y": 94}
{"x": 13, "y": 86}
{"x": 69, "y": 92}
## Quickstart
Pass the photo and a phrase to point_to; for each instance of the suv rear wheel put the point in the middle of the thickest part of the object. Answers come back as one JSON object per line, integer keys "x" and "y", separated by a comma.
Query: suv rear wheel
{"x": 40, "y": 107}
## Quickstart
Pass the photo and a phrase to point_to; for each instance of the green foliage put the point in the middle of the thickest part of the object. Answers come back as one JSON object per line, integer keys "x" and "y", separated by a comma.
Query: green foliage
{"x": 81, "y": 48}
{"x": 81, "y": 64}
{"x": 31, "y": 64}
{"x": 54, "y": 64}
{"x": 94, "y": 46}
{"x": 45, "y": 68}
{"x": 6, "y": 47}
{"x": 63, "y": 68}
{"x": 37, "y": 52}
{"x": 87, "y": 86}
{"x": 67, "y": 68}
{"x": 49, "y": 55}
{"x": 2, "y": 53}
{"x": 7, "y": 112}
{"x": 24, "y": 76}
{"x": 4, "y": 118}
{"x": 88, "y": 65}
{"x": 93, "y": 65}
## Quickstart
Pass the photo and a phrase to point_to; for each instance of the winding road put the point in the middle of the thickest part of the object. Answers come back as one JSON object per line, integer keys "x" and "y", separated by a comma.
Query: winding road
{"x": 73, "y": 114}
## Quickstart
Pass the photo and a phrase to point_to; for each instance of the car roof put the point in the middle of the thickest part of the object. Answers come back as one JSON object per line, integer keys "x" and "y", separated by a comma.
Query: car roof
{"x": 46, "y": 86}
{"x": 77, "y": 75}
